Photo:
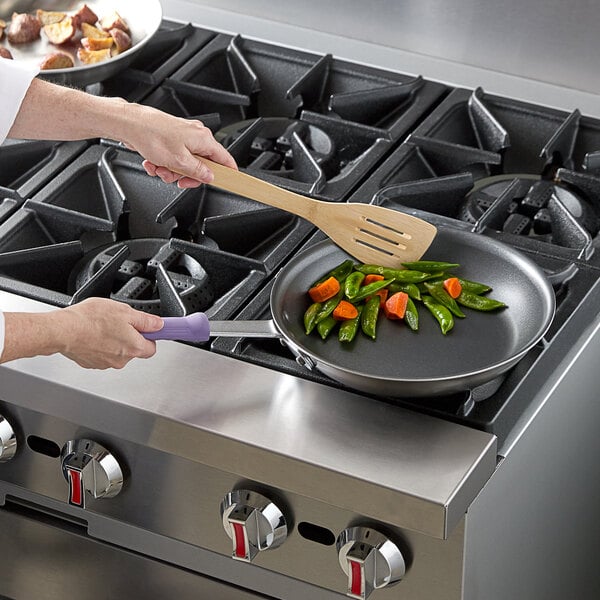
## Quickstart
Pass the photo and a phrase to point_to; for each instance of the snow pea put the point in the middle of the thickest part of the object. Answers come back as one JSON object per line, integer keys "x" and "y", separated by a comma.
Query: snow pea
{"x": 440, "y": 312}
{"x": 328, "y": 307}
{"x": 411, "y": 315}
{"x": 429, "y": 266}
{"x": 408, "y": 288}
{"x": 403, "y": 275}
{"x": 474, "y": 286}
{"x": 444, "y": 298}
{"x": 368, "y": 290}
{"x": 310, "y": 316}
{"x": 352, "y": 284}
{"x": 326, "y": 326}
{"x": 340, "y": 272}
{"x": 368, "y": 317}
{"x": 348, "y": 329}
{"x": 476, "y": 302}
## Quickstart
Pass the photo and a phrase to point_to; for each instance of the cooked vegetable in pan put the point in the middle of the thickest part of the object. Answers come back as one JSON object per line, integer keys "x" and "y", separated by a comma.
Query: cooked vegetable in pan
{"x": 355, "y": 296}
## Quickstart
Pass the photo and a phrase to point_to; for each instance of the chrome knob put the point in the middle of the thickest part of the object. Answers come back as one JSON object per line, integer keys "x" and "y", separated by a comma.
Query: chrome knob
{"x": 370, "y": 560}
{"x": 253, "y": 523}
{"x": 8, "y": 440}
{"x": 89, "y": 467}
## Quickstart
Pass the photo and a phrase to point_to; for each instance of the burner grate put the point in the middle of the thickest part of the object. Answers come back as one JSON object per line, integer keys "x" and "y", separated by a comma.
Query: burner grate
{"x": 277, "y": 109}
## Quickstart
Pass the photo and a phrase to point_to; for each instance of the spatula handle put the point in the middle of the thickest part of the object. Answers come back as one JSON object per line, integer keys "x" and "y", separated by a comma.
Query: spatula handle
{"x": 256, "y": 189}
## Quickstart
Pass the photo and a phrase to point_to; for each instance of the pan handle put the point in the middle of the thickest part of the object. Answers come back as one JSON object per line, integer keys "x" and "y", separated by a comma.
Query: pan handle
{"x": 197, "y": 328}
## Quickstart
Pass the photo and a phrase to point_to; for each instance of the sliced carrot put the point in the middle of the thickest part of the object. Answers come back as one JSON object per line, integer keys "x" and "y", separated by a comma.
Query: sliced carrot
{"x": 395, "y": 305}
{"x": 371, "y": 278}
{"x": 325, "y": 290}
{"x": 345, "y": 311}
{"x": 383, "y": 294}
{"x": 453, "y": 287}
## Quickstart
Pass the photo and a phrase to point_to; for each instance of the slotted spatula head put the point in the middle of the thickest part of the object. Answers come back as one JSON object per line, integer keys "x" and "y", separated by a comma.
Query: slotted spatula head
{"x": 376, "y": 235}
{"x": 369, "y": 233}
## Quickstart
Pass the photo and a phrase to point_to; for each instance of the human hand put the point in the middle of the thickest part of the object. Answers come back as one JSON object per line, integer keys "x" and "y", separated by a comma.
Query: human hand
{"x": 172, "y": 147}
{"x": 99, "y": 333}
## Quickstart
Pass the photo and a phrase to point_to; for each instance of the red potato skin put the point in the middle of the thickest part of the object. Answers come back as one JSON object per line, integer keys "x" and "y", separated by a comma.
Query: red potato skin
{"x": 121, "y": 39}
{"x": 85, "y": 15}
{"x": 23, "y": 29}
{"x": 113, "y": 21}
{"x": 5, "y": 53}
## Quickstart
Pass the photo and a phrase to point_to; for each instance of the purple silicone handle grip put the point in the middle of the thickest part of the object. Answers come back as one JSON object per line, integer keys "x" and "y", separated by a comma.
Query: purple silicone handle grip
{"x": 193, "y": 328}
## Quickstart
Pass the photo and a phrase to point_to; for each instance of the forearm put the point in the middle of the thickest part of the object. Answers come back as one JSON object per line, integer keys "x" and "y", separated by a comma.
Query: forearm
{"x": 55, "y": 112}
{"x": 30, "y": 334}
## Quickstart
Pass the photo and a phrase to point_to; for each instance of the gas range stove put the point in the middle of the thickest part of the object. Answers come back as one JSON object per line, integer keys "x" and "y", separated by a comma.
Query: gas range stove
{"x": 83, "y": 219}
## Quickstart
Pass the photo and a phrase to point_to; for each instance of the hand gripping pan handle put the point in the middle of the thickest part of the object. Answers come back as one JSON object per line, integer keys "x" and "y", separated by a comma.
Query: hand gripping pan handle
{"x": 197, "y": 328}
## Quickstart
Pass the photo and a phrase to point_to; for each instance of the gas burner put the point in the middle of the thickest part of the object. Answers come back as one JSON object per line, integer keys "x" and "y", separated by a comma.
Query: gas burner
{"x": 530, "y": 208}
{"x": 148, "y": 274}
{"x": 289, "y": 147}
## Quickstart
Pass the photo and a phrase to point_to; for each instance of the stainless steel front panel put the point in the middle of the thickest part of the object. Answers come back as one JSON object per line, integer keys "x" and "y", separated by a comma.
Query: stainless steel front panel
{"x": 179, "y": 499}
{"x": 41, "y": 560}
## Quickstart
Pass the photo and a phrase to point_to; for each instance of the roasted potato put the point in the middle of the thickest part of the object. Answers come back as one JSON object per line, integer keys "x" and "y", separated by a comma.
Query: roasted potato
{"x": 113, "y": 21}
{"x": 89, "y": 31}
{"x": 57, "y": 60}
{"x": 2, "y": 28}
{"x": 62, "y": 32}
{"x": 5, "y": 52}
{"x": 122, "y": 40}
{"x": 97, "y": 43}
{"x": 90, "y": 57}
{"x": 85, "y": 15}
{"x": 23, "y": 28}
{"x": 48, "y": 17}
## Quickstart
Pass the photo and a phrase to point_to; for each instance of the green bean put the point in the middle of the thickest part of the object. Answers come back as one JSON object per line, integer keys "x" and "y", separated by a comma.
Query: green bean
{"x": 440, "y": 312}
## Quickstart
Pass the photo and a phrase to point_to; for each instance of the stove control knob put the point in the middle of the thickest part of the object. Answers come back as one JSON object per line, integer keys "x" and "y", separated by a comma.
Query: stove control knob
{"x": 8, "y": 440}
{"x": 89, "y": 467}
{"x": 253, "y": 523}
{"x": 370, "y": 560}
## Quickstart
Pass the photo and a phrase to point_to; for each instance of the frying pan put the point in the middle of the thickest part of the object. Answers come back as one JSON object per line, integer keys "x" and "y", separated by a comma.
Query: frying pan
{"x": 400, "y": 362}
{"x": 143, "y": 17}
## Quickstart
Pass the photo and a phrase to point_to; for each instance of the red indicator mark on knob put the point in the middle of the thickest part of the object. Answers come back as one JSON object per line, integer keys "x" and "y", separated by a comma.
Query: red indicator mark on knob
{"x": 239, "y": 540}
{"x": 356, "y": 578}
{"x": 76, "y": 492}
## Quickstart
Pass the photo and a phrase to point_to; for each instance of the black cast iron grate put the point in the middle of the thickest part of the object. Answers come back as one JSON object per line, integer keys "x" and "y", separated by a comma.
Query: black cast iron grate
{"x": 102, "y": 227}
{"x": 274, "y": 108}
{"x": 530, "y": 173}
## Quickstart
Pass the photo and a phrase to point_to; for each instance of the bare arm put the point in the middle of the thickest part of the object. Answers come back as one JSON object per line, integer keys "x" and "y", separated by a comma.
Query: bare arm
{"x": 96, "y": 333}
{"x": 170, "y": 145}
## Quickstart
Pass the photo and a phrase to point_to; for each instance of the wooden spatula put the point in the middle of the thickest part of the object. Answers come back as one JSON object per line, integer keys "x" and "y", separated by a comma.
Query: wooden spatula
{"x": 371, "y": 234}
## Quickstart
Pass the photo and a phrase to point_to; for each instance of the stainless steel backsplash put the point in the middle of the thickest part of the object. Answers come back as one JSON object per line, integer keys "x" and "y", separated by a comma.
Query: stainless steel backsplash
{"x": 552, "y": 41}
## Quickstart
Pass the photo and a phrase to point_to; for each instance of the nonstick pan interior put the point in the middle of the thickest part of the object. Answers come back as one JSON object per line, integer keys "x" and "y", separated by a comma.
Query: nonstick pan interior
{"x": 401, "y": 362}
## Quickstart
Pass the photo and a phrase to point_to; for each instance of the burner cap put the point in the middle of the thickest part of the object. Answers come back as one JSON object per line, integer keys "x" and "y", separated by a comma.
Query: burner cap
{"x": 527, "y": 213}
{"x": 267, "y": 144}
{"x": 134, "y": 279}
